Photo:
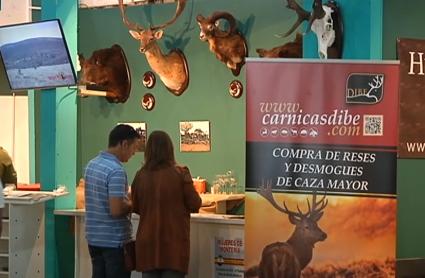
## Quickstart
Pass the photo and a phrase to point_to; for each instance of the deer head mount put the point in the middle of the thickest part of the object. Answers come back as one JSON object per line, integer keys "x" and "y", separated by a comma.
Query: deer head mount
{"x": 292, "y": 49}
{"x": 287, "y": 259}
{"x": 171, "y": 68}
{"x": 228, "y": 46}
{"x": 325, "y": 21}
{"x": 106, "y": 73}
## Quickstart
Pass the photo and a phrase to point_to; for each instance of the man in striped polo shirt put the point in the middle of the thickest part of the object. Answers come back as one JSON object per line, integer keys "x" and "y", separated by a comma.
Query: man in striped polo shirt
{"x": 108, "y": 206}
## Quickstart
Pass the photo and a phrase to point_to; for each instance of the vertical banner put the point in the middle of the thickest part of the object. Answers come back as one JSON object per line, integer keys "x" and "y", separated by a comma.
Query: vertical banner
{"x": 321, "y": 153}
{"x": 412, "y": 96}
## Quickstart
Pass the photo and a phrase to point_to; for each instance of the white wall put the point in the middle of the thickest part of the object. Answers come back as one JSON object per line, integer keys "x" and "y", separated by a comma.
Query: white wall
{"x": 14, "y": 132}
{"x": 15, "y": 11}
{"x": 14, "y": 121}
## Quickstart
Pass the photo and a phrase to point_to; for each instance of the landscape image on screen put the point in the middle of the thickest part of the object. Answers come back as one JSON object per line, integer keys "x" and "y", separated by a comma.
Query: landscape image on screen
{"x": 35, "y": 55}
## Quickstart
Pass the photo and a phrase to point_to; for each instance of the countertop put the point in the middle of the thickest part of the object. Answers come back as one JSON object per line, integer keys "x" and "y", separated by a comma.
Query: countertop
{"x": 195, "y": 217}
{"x": 18, "y": 197}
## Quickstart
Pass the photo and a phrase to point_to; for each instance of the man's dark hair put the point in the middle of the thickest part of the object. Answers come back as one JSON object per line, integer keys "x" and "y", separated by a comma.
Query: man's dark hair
{"x": 159, "y": 151}
{"x": 120, "y": 133}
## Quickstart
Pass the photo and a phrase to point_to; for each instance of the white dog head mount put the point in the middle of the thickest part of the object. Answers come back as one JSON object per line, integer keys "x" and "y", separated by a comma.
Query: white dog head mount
{"x": 325, "y": 21}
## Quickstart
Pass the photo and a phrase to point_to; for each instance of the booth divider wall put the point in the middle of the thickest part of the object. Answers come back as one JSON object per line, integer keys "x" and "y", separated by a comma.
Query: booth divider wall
{"x": 207, "y": 97}
{"x": 405, "y": 20}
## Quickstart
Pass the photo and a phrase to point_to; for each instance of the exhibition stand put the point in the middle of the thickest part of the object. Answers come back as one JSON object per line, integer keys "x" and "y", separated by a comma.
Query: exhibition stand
{"x": 207, "y": 234}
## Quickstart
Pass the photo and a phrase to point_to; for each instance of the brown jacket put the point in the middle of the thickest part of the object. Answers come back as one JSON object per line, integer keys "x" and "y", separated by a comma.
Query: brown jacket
{"x": 164, "y": 200}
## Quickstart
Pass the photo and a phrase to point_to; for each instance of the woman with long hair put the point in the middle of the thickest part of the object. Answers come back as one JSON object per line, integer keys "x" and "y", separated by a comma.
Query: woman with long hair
{"x": 163, "y": 195}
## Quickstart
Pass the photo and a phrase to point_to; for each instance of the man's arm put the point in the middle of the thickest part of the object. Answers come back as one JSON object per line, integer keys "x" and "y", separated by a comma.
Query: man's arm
{"x": 119, "y": 201}
{"x": 119, "y": 206}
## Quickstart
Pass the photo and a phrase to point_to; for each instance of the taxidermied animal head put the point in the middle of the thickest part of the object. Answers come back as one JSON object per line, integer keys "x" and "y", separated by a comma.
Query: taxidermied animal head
{"x": 325, "y": 21}
{"x": 228, "y": 46}
{"x": 171, "y": 68}
{"x": 107, "y": 70}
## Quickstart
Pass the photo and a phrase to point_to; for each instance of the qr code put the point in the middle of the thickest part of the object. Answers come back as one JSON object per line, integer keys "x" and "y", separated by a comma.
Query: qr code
{"x": 373, "y": 125}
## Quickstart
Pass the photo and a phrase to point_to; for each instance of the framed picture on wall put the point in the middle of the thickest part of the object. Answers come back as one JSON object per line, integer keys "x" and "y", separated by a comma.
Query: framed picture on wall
{"x": 195, "y": 136}
{"x": 141, "y": 129}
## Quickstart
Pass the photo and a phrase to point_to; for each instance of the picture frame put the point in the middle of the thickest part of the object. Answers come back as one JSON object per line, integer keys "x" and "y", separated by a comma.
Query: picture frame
{"x": 195, "y": 136}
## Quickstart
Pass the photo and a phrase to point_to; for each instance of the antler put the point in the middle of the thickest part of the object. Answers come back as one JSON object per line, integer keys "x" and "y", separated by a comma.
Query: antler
{"x": 130, "y": 25}
{"x": 266, "y": 192}
{"x": 134, "y": 26}
{"x": 302, "y": 15}
{"x": 317, "y": 13}
{"x": 315, "y": 210}
{"x": 180, "y": 7}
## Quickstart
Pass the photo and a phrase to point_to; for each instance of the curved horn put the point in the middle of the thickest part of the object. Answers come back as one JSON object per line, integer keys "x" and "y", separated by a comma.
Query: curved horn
{"x": 130, "y": 25}
{"x": 180, "y": 7}
{"x": 230, "y": 19}
{"x": 199, "y": 17}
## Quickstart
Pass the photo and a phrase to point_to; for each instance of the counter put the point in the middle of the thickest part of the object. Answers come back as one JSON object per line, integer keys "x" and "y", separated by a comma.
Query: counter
{"x": 22, "y": 243}
{"x": 17, "y": 197}
{"x": 207, "y": 232}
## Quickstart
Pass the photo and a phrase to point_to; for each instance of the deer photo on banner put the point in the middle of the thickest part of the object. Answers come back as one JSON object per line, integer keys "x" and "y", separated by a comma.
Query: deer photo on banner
{"x": 321, "y": 149}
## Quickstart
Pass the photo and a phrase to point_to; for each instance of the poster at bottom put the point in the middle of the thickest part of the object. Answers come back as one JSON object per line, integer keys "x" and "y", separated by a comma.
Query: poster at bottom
{"x": 228, "y": 257}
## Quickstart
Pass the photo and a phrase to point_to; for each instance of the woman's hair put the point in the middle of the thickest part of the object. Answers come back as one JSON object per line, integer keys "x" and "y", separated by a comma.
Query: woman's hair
{"x": 159, "y": 151}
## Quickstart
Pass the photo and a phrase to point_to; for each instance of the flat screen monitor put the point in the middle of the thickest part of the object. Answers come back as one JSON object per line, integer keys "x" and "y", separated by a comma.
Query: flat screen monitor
{"x": 35, "y": 55}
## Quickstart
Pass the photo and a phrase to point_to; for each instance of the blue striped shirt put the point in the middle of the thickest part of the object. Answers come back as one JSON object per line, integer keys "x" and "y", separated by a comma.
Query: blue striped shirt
{"x": 105, "y": 177}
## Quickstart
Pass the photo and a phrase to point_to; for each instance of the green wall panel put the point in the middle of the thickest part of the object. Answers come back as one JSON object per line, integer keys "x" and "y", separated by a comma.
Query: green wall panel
{"x": 404, "y": 19}
{"x": 207, "y": 97}
{"x": 410, "y": 190}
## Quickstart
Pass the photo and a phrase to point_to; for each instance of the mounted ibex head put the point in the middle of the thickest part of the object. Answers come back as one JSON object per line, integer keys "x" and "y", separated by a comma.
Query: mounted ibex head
{"x": 287, "y": 259}
{"x": 172, "y": 68}
{"x": 228, "y": 46}
{"x": 325, "y": 21}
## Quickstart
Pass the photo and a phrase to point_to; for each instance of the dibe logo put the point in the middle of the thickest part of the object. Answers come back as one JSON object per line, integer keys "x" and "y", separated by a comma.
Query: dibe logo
{"x": 366, "y": 88}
